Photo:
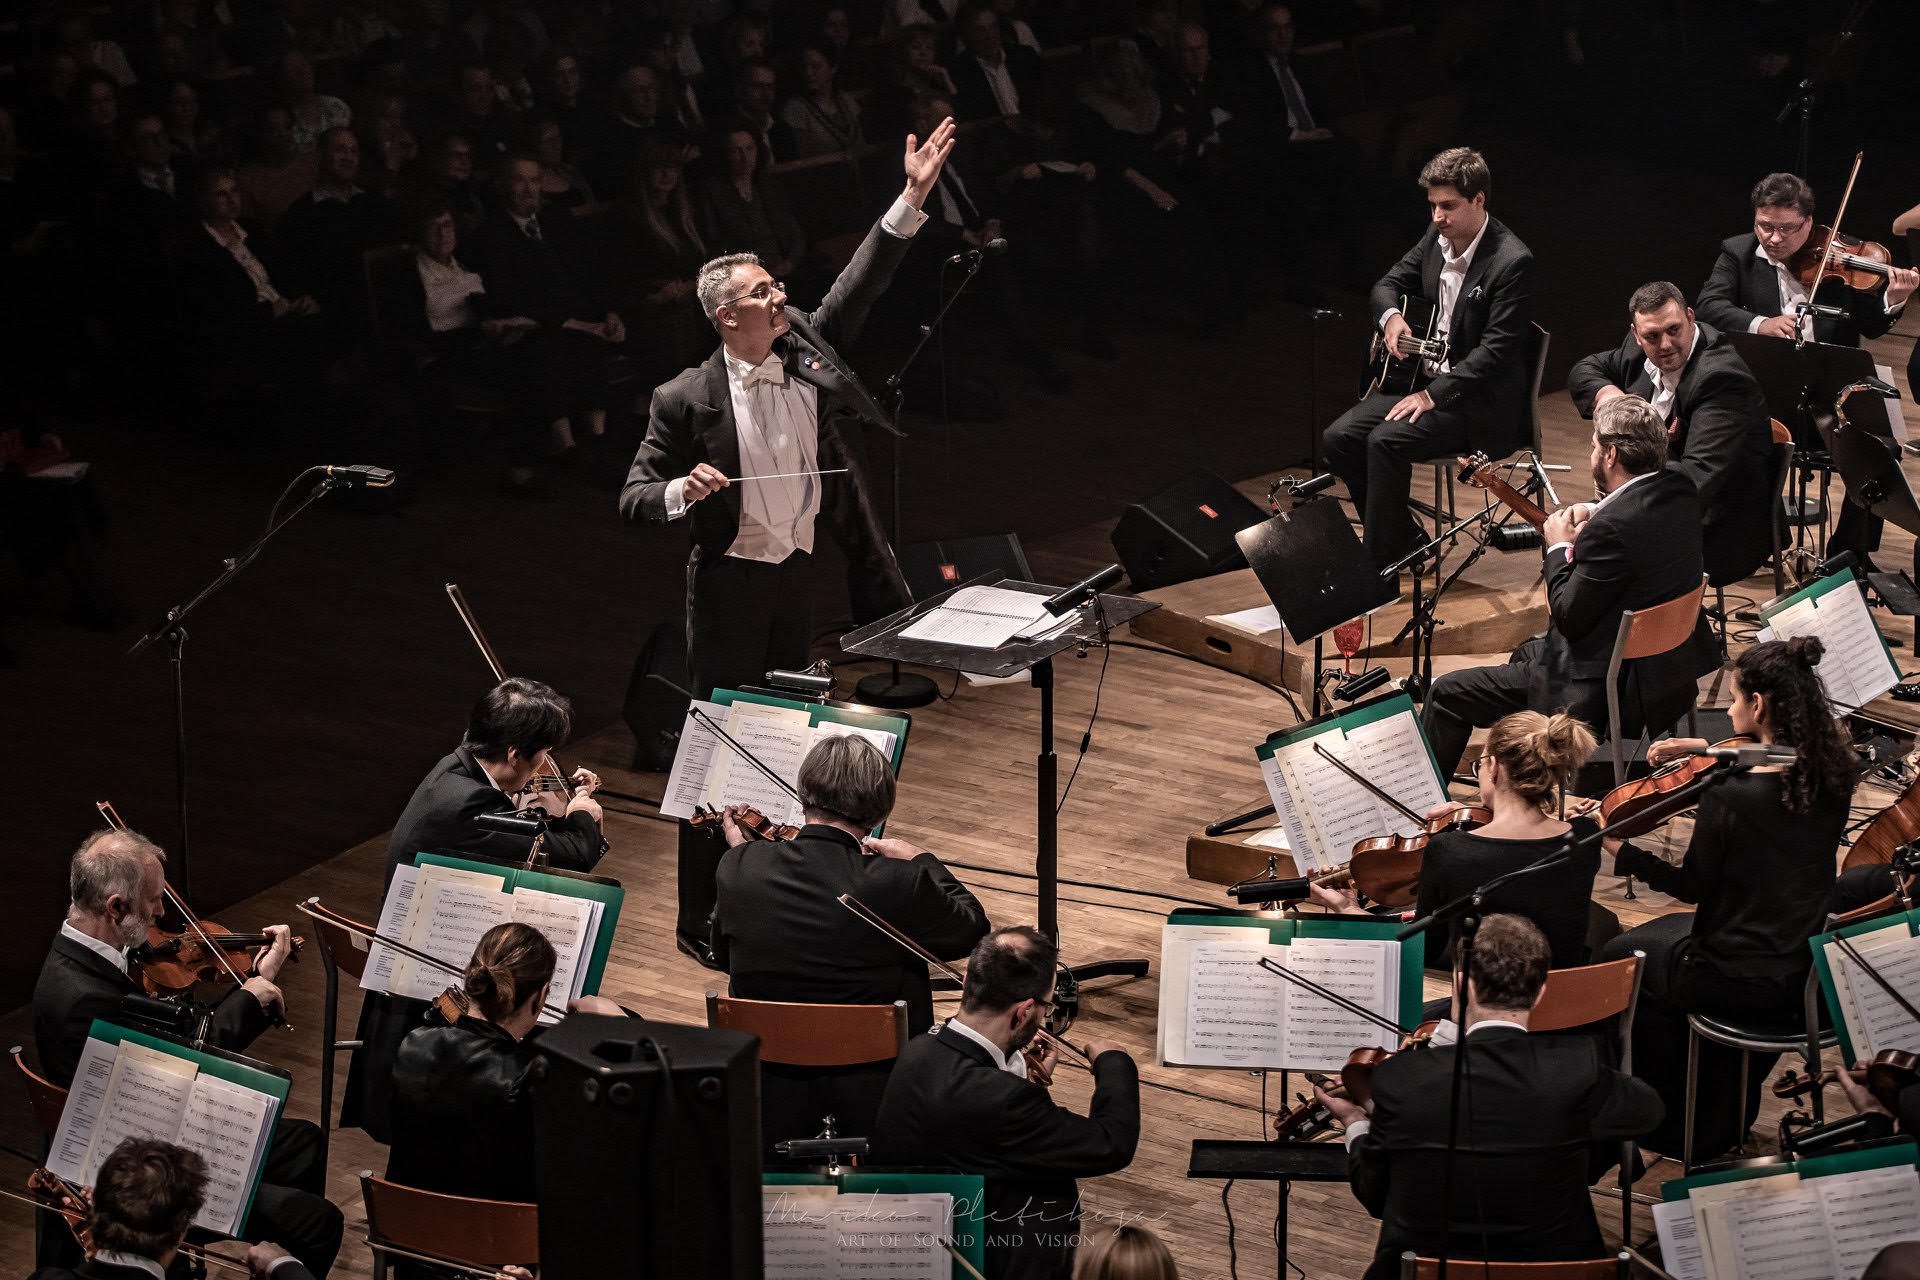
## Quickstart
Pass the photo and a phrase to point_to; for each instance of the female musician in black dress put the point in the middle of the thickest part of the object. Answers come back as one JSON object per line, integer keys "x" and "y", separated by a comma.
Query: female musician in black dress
{"x": 1759, "y": 867}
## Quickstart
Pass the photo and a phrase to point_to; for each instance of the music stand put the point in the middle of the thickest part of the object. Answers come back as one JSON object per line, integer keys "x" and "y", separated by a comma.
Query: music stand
{"x": 1091, "y": 623}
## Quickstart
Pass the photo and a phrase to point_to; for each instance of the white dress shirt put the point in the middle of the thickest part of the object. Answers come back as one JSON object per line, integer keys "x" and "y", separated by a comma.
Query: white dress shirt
{"x": 1359, "y": 1127}
{"x": 776, "y": 420}
{"x": 115, "y": 956}
{"x": 234, "y": 241}
{"x": 1453, "y": 275}
{"x": 1005, "y": 96}
{"x": 1014, "y": 1063}
{"x": 1793, "y": 293}
{"x": 449, "y": 288}
{"x": 131, "y": 1261}
{"x": 1663, "y": 394}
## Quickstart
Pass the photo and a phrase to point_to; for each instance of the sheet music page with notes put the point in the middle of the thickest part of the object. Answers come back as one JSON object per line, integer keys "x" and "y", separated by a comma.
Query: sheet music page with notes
{"x": 1780, "y": 1237}
{"x": 1866, "y": 1211}
{"x": 694, "y": 761}
{"x": 1320, "y": 1034}
{"x": 893, "y": 1237}
{"x": 796, "y": 1232}
{"x": 1856, "y": 668}
{"x": 85, "y": 1097}
{"x": 1393, "y": 755}
{"x": 453, "y": 908}
{"x": 226, "y": 1124}
{"x": 145, "y": 1099}
{"x": 1235, "y": 1009}
{"x": 568, "y": 924}
{"x": 778, "y": 736}
{"x": 1679, "y": 1243}
{"x": 1336, "y": 811}
{"x": 1306, "y": 856}
{"x": 882, "y": 740}
{"x": 1875, "y": 1021}
{"x": 981, "y": 618}
{"x": 394, "y": 912}
{"x": 1176, "y": 952}
{"x": 1710, "y": 1206}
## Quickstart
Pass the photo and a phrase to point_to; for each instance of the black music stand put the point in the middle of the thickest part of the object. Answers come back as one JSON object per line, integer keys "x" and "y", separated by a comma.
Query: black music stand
{"x": 1090, "y": 625}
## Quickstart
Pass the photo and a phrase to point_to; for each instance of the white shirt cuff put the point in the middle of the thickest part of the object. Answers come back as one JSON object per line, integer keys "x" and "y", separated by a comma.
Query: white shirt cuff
{"x": 1753, "y": 325}
{"x": 1559, "y": 546}
{"x": 1895, "y": 308}
{"x": 1381, "y": 323}
{"x": 1356, "y": 1131}
{"x": 281, "y": 1262}
{"x": 676, "y": 498}
{"x": 902, "y": 219}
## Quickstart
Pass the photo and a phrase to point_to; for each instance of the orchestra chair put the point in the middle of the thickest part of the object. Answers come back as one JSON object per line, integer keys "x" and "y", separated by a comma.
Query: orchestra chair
{"x": 1614, "y": 1268}
{"x": 458, "y": 1229}
{"x": 46, "y": 1098}
{"x": 1782, "y": 473}
{"x": 1442, "y": 508}
{"x": 341, "y": 952}
{"x": 1807, "y": 1040}
{"x": 806, "y": 1042}
{"x": 1580, "y": 997}
{"x": 1648, "y": 633}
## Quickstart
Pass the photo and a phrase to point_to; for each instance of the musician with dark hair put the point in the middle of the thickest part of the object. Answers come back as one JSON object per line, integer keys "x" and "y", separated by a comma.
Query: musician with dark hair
{"x": 1760, "y": 868}
{"x": 961, "y": 1098}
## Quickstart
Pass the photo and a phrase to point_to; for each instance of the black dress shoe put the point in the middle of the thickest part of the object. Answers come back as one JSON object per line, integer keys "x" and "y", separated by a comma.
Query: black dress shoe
{"x": 701, "y": 953}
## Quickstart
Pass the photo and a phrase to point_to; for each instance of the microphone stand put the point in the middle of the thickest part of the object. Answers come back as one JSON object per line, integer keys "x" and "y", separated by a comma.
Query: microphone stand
{"x": 1801, "y": 103}
{"x": 895, "y": 688}
{"x": 1467, "y": 910}
{"x": 171, "y": 630}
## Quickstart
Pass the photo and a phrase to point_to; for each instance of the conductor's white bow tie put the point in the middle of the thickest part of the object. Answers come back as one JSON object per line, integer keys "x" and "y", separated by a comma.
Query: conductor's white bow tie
{"x": 768, "y": 370}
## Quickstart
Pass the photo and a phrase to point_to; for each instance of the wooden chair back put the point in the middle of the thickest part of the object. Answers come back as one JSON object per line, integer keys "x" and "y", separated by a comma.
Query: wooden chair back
{"x": 46, "y": 1098}
{"x": 815, "y": 1035}
{"x": 1662, "y": 627}
{"x": 1577, "y": 997}
{"x": 1614, "y": 1268}
{"x": 478, "y": 1233}
{"x": 1782, "y": 453}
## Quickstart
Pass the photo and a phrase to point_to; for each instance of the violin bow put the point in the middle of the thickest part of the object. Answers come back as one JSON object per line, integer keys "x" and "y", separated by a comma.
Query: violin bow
{"x": 1853, "y": 954}
{"x": 320, "y": 913}
{"x": 879, "y": 922}
{"x": 1839, "y": 216}
{"x": 745, "y": 754}
{"x": 1351, "y": 772}
{"x": 114, "y": 821}
{"x": 1332, "y": 997}
{"x": 444, "y": 1264}
{"x": 465, "y": 611}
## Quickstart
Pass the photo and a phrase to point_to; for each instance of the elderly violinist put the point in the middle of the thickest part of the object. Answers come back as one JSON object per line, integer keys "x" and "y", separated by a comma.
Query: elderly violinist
{"x": 116, "y": 883}
{"x": 1538, "y": 1103}
{"x": 782, "y": 934}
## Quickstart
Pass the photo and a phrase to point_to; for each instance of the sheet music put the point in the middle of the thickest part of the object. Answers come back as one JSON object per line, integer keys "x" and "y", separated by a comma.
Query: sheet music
{"x": 777, "y": 736}
{"x": 693, "y": 762}
{"x": 980, "y": 618}
{"x": 796, "y": 1231}
{"x": 1867, "y": 1211}
{"x": 85, "y": 1097}
{"x": 1679, "y": 1245}
{"x": 1259, "y": 621}
{"x": 145, "y": 1099}
{"x": 225, "y": 1123}
{"x": 382, "y": 959}
{"x": 1306, "y": 855}
{"x": 1875, "y": 1021}
{"x": 1710, "y": 1206}
{"x": 1319, "y": 1033}
{"x": 568, "y": 924}
{"x": 1234, "y": 1007}
{"x": 882, "y": 740}
{"x": 1336, "y": 811}
{"x": 455, "y": 908}
{"x": 1393, "y": 755}
{"x": 1176, "y": 949}
{"x": 1780, "y": 1237}
{"x": 893, "y": 1237}
{"x": 1855, "y": 669}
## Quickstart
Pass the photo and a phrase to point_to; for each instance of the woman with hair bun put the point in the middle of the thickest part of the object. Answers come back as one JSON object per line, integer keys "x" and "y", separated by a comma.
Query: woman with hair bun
{"x": 1759, "y": 868}
{"x": 1528, "y": 761}
{"x": 462, "y": 1117}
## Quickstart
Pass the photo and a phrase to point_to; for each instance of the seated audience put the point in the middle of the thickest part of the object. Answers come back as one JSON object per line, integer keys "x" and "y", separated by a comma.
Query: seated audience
{"x": 277, "y": 172}
{"x": 658, "y": 251}
{"x": 990, "y": 76}
{"x": 755, "y": 87}
{"x": 563, "y": 187}
{"x": 311, "y": 113}
{"x": 447, "y": 177}
{"x": 483, "y": 115}
{"x": 322, "y": 235}
{"x": 822, "y": 117}
{"x": 745, "y": 209}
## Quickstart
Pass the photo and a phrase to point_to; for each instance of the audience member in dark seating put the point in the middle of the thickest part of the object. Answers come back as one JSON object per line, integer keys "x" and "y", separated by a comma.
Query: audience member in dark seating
{"x": 51, "y": 517}
{"x": 659, "y": 47}
{"x": 656, "y": 260}
{"x": 991, "y": 77}
{"x": 562, "y": 93}
{"x": 388, "y": 147}
{"x": 912, "y": 71}
{"x": 278, "y": 172}
{"x": 322, "y": 235}
{"x": 563, "y": 187}
{"x": 448, "y": 175}
{"x": 479, "y": 113}
{"x": 635, "y": 118}
{"x": 190, "y": 136}
{"x": 312, "y": 112}
{"x": 822, "y": 117}
{"x": 745, "y": 210}
{"x": 754, "y": 89}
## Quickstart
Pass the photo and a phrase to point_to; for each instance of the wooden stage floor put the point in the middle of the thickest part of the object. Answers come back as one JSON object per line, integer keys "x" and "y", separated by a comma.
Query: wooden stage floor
{"x": 1172, "y": 750}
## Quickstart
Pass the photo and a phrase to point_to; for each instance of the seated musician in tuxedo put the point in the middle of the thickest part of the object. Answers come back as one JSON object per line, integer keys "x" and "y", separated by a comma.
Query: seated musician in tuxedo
{"x": 781, "y": 932}
{"x": 961, "y": 1098}
{"x": 1753, "y": 290}
{"x": 1478, "y": 277}
{"x": 1538, "y": 1104}
{"x": 1718, "y": 432}
{"x": 144, "y": 1200}
{"x": 462, "y": 1116}
{"x": 117, "y": 886}
{"x": 509, "y": 733}
{"x": 1638, "y": 546}
{"x": 776, "y": 401}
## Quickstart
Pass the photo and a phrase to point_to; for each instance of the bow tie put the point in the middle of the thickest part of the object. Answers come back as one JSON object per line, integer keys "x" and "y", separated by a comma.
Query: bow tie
{"x": 769, "y": 370}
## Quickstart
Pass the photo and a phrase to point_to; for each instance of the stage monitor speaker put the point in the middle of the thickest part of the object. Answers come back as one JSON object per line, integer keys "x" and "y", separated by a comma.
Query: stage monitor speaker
{"x": 647, "y": 1151}
{"x": 1184, "y": 531}
{"x": 658, "y": 696}
{"x": 933, "y": 567}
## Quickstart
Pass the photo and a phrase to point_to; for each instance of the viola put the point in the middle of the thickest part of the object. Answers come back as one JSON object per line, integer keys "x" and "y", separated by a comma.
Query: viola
{"x": 1630, "y": 800}
{"x": 1310, "y": 1117}
{"x": 757, "y": 825}
{"x": 173, "y": 963}
{"x": 1890, "y": 1072}
{"x": 1891, "y": 830}
{"x": 1387, "y": 868}
{"x": 1858, "y": 264}
{"x": 71, "y": 1202}
{"x": 1482, "y": 473}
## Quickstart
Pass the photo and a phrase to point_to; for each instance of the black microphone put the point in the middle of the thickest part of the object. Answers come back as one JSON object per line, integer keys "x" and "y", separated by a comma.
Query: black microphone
{"x": 510, "y": 824}
{"x": 1312, "y": 485}
{"x": 1540, "y": 474}
{"x": 997, "y": 245}
{"x": 1260, "y": 892}
{"x": 1515, "y": 537}
{"x": 1834, "y": 564}
{"x": 1084, "y": 590}
{"x": 360, "y": 477}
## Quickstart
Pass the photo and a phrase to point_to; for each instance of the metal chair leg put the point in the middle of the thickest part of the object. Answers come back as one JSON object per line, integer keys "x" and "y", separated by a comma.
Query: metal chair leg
{"x": 1693, "y": 1087}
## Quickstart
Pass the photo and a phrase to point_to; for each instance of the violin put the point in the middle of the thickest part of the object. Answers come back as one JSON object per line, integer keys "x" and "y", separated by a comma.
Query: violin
{"x": 1891, "y": 830}
{"x": 757, "y": 825}
{"x": 72, "y": 1203}
{"x": 1858, "y": 264}
{"x": 1387, "y": 868}
{"x": 1481, "y": 473}
{"x": 1630, "y": 800}
{"x": 1310, "y": 1117}
{"x": 173, "y": 963}
{"x": 1890, "y": 1072}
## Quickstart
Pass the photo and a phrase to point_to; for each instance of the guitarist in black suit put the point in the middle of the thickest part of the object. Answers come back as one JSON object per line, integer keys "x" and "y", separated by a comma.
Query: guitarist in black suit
{"x": 1751, "y": 290}
{"x": 1718, "y": 432}
{"x": 776, "y": 400}
{"x": 1478, "y": 278}
{"x": 1536, "y": 1106}
{"x": 1638, "y": 546}
{"x": 961, "y": 1098}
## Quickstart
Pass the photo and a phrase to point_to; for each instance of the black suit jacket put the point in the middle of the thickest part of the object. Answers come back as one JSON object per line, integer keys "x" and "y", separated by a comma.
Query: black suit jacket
{"x": 216, "y": 293}
{"x": 974, "y": 100}
{"x": 1490, "y": 336}
{"x": 691, "y": 421}
{"x": 781, "y": 933}
{"x": 77, "y": 985}
{"x": 1640, "y": 549}
{"x": 1520, "y": 1180}
{"x": 440, "y": 819}
{"x": 534, "y": 278}
{"x": 1720, "y": 437}
{"x": 93, "y": 1269}
{"x": 1743, "y": 287}
{"x": 461, "y": 1112}
{"x": 948, "y": 1104}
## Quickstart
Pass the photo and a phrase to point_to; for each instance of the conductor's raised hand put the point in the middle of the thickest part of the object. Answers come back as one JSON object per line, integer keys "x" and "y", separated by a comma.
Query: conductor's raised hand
{"x": 924, "y": 160}
{"x": 704, "y": 480}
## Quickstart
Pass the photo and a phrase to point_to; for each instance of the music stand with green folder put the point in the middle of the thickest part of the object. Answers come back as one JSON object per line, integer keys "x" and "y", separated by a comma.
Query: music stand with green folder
{"x": 967, "y": 1189}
